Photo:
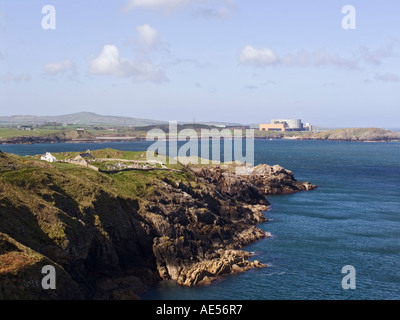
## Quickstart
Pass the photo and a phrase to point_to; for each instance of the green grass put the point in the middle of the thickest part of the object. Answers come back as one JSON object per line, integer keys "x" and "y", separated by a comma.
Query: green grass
{"x": 14, "y": 132}
{"x": 80, "y": 183}
{"x": 138, "y": 184}
{"x": 45, "y": 204}
{"x": 117, "y": 154}
{"x": 129, "y": 183}
{"x": 50, "y": 202}
{"x": 109, "y": 153}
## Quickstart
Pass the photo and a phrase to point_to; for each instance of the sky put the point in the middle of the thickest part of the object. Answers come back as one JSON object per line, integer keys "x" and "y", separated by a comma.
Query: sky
{"x": 204, "y": 60}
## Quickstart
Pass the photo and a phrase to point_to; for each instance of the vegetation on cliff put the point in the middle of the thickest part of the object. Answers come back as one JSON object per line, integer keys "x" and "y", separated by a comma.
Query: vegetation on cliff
{"x": 358, "y": 134}
{"x": 110, "y": 235}
{"x": 95, "y": 134}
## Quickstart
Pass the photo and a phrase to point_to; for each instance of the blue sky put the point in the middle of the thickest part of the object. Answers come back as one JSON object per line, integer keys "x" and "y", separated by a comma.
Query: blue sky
{"x": 208, "y": 60}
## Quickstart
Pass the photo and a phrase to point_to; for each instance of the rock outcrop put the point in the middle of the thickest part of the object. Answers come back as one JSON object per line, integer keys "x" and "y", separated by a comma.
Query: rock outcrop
{"x": 358, "y": 134}
{"x": 110, "y": 236}
{"x": 201, "y": 228}
{"x": 264, "y": 179}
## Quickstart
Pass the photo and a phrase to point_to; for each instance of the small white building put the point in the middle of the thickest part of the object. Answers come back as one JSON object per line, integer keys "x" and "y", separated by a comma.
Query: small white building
{"x": 48, "y": 157}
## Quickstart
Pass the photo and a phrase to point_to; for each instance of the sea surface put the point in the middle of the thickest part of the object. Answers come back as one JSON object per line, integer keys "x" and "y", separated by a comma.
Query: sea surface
{"x": 353, "y": 218}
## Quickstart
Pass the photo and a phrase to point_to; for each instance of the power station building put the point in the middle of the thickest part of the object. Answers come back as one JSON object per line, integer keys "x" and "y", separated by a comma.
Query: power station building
{"x": 285, "y": 125}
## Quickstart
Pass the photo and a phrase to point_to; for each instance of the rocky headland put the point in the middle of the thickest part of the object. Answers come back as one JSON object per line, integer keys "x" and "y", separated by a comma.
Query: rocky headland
{"x": 82, "y": 136}
{"x": 110, "y": 236}
{"x": 358, "y": 134}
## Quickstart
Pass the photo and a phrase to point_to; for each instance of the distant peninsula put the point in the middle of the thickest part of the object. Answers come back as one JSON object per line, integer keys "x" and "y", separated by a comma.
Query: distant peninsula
{"x": 92, "y": 127}
{"x": 95, "y": 134}
{"x": 359, "y": 134}
{"x": 78, "y": 118}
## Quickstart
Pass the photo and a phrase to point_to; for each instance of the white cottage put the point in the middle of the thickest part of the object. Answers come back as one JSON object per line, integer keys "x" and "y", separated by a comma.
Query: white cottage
{"x": 48, "y": 157}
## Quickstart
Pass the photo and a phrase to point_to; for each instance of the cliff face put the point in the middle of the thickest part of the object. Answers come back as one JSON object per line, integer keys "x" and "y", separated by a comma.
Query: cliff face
{"x": 111, "y": 235}
{"x": 262, "y": 179}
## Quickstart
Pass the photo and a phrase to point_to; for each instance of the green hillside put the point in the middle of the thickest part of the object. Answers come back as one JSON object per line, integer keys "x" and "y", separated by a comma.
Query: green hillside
{"x": 359, "y": 134}
{"x": 79, "y": 118}
{"x": 45, "y": 209}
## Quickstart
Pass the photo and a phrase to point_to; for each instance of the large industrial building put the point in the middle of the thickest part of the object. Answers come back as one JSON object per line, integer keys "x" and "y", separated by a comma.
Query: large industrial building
{"x": 285, "y": 125}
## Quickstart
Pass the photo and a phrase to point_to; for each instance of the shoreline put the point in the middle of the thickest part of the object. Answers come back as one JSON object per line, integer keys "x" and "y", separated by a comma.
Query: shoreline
{"x": 22, "y": 140}
{"x": 191, "y": 227}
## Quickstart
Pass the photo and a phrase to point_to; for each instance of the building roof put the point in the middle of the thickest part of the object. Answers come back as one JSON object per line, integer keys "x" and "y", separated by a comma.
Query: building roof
{"x": 86, "y": 155}
{"x": 48, "y": 157}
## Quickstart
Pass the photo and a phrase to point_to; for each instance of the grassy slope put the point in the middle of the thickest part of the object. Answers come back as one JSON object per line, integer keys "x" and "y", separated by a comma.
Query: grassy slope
{"x": 12, "y": 132}
{"x": 79, "y": 118}
{"x": 361, "y": 134}
{"x": 51, "y": 134}
{"x": 60, "y": 195}
{"x": 110, "y": 153}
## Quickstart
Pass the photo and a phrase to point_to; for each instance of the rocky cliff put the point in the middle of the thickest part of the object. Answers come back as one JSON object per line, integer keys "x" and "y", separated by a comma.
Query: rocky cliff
{"x": 109, "y": 236}
{"x": 358, "y": 134}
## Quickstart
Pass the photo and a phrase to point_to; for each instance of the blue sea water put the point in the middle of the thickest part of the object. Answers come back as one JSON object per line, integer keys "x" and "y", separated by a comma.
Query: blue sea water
{"x": 353, "y": 218}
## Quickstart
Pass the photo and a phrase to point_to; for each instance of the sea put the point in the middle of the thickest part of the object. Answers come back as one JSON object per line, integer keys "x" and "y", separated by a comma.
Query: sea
{"x": 338, "y": 242}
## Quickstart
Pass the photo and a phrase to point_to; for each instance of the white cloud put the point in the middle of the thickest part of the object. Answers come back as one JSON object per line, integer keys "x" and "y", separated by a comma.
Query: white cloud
{"x": 388, "y": 77}
{"x": 10, "y": 77}
{"x": 251, "y": 87}
{"x": 203, "y": 8}
{"x": 59, "y": 67}
{"x": 148, "y": 36}
{"x": 375, "y": 57}
{"x": 221, "y": 10}
{"x": 155, "y": 4}
{"x": 146, "y": 71}
{"x": 269, "y": 83}
{"x": 258, "y": 57}
{"x": 110, "y": 63}
{"x": 363, "y": 56}
{"x": 267, "y": 57}
{"x": 318, "y": 58}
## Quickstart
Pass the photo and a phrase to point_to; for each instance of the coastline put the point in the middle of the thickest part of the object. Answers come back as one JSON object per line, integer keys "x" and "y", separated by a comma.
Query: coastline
{"x": 189, "y": 227}
{"x": 36, "y": 140}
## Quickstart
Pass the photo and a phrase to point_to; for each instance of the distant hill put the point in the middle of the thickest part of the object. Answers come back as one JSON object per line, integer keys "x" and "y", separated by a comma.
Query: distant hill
{"x": 216, "y": 123}
{"x": 80, "y": 118}
{"x": 359, "y": 134}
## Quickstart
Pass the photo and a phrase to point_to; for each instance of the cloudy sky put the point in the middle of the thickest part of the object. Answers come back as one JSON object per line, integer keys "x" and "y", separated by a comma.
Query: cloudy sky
{"x": 203, "y": 60}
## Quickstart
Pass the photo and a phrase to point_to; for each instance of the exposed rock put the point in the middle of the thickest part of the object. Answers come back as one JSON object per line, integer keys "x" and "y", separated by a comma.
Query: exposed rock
{"x": 262, "y": 179}
{"x": 358, "y": 134}
{"x": 226, "y": 262}
{"x": 190, "y": 227}
{"x": 277, "y": 180}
